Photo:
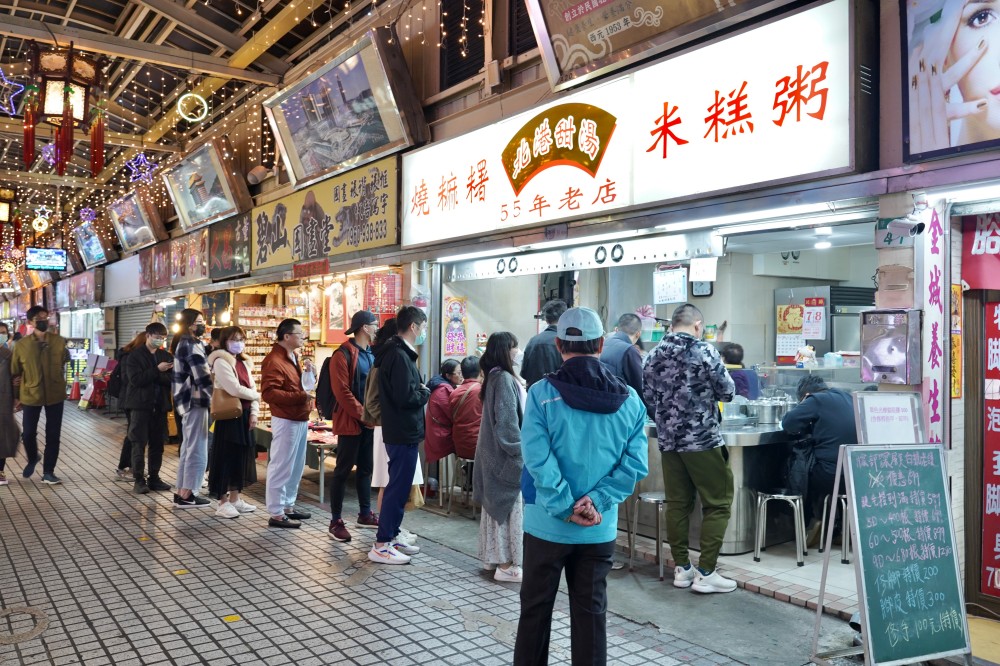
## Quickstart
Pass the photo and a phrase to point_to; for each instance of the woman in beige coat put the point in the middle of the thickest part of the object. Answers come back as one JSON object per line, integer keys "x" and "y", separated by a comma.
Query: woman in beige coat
{"x": 10, "y": 434}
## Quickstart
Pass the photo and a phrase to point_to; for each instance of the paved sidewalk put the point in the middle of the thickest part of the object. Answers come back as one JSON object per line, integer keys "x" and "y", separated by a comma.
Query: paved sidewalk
{"x": 124, "y": 579}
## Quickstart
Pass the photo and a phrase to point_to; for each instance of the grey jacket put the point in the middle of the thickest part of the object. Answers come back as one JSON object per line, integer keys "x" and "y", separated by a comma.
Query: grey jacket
{"x": 10, "y": 434}
{"x": 496, "y": 476}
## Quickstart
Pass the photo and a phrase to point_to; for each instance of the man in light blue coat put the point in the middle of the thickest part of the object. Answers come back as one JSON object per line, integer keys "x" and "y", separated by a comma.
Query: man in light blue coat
{"x": 584, "y": 447}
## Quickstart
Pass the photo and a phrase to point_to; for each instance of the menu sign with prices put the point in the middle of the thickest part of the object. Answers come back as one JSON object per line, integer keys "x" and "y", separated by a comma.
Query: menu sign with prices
{"x": 814, "y": 319}
{"x": 670, "y": 286}
{"x": 990, "y": 575}
{"x": 911, "y": 586}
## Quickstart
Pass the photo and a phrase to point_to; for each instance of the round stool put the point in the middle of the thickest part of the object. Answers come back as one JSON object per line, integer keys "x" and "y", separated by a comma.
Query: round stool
{"x": 659, "y": 500}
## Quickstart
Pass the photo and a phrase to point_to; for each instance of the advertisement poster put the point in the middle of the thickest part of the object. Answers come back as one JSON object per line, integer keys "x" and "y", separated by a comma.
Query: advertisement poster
{"x": 354, "y": 297}
{"x": 333, "y": 314}
{"x": 189, "y": 258}
{"x": 199, "y": 188}
{"x": 981, "y": 251}
{"x": 384, "y": 293}
{"x": 315, "y": 312}
{"x": 89, "y": 245}
{"x": 347, "y": 213}
{"x": 154, "y": 268}
{"x": 229, "y": 243}
{"x": 956, "y": 341}
{"x": 132, "y": 222}
{"x": 456, "y": 322}
{"x": 990, "y": 575}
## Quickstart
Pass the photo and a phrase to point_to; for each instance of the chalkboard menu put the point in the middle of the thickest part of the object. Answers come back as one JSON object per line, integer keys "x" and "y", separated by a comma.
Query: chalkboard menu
{"x": 913, "y": 603}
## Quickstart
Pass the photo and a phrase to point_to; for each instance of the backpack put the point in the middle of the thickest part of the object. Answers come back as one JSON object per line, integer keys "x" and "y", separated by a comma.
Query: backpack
{"x": 326, "y": 401}
{"x": 116, "y": 381}
{"x": 373, "y": 408}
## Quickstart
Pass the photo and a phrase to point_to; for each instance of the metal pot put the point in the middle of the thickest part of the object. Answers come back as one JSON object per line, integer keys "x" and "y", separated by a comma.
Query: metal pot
{"x": 767, "y": 411}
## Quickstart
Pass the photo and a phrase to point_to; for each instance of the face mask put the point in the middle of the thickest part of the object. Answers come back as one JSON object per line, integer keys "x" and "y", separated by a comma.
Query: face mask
{"x": 199, "y": 330}
{"x": 235, "y": 347}
{"x": 42, "y": 325}
{"x": 158, "y": 344}
{"x": 518, "y": 357}
{"x": 3, "y": 339}
{"x": 421, "y": 338}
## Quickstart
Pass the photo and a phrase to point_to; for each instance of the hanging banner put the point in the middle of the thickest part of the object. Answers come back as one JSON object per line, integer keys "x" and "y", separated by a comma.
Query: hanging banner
{"x": 956, "y": 341}
{"x": 229, "y": 241}
{"x": 981, "y": 251}
{"x": 456, "y": 321}
{"x": 347, "y": 213}
{"x": 189, "y": 258}
{"x": 990, "y": 574}
{"x": 154, "y": 268}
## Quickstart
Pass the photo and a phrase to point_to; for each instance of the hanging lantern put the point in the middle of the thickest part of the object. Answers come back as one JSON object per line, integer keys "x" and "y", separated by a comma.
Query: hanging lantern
{"x": 63, "y": 84}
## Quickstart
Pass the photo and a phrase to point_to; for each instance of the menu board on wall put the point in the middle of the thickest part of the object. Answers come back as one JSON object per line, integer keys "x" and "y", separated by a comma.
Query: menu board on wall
{"x": 347, "y": 213}
{"x": 229, "y": 243}
{"x": 990, "y": 575}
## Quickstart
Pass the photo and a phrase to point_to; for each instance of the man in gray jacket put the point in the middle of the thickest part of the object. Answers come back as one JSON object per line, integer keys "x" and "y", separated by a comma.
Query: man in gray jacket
{"x": 540, "y": 354}
{"x": 684, "y": 379}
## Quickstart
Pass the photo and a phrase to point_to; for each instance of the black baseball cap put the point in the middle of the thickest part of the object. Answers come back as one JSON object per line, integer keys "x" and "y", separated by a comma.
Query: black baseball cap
{"x": 360, "y": 318}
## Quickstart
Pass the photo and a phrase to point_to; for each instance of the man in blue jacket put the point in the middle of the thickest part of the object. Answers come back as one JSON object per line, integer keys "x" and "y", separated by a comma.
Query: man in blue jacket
{"x": 584, "y": 448}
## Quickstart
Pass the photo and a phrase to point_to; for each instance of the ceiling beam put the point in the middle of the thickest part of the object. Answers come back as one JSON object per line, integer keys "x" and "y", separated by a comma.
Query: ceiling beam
{"x": 95, "y": 42}
{"x": 50, "y": 11}
{"x": 23, "y": 178}
{"x": 201, "y": 26}
{"x": 15, "y": 128}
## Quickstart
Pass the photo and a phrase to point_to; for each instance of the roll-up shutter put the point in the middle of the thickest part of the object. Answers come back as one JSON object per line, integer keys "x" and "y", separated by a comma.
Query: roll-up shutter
{"x": 130, "y": 320}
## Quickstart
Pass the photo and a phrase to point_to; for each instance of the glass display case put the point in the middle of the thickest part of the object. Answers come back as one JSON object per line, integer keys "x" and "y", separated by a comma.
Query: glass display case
{"x": 785, "y": 378}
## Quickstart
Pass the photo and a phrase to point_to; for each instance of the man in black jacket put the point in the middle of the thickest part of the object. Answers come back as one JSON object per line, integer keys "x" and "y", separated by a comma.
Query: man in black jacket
{"x": 540, "y": 355}
{"x": 621, "y": 355}
{"x": 402, "y": 396}
{"x": 148, "y": 369}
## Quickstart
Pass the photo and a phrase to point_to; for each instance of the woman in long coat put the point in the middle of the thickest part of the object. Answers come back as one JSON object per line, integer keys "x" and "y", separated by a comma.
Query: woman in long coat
{"x": 10, "y": 433}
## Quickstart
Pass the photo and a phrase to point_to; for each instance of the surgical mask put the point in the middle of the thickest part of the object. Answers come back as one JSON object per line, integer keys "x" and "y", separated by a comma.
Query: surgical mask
{"x": 42, "y": 325}
{"x": 518, "y": 357}
{"x": 3, "y": 339}
{"x": 158, "y": 343}
{"x": 421, "y": 338}
{"x": 235, "y": 347}
{"x": 199, "y": 330}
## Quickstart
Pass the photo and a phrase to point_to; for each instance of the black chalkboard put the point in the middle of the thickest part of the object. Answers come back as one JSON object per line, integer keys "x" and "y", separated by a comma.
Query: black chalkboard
{"x": 905, "y": 548}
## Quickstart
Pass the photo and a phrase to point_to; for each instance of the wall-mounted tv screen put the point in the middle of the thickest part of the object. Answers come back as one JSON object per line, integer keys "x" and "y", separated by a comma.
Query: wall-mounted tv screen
{"x": 45, "y": 259}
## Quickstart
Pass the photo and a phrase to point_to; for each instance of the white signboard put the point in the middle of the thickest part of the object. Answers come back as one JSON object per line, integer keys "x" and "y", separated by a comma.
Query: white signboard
{"x": 704, "y": 269}
{"x": 769, "y": 104}
{"x": 887, "y": 417}
{"x": 670, "y": 286}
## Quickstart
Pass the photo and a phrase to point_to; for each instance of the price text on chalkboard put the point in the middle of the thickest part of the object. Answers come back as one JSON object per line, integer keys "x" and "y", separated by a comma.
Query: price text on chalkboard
{"x": 906, "y": 551}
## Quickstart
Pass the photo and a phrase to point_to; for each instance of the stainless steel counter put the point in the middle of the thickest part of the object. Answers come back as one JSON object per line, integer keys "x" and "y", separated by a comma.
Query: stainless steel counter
{"x": 757, "y": 455}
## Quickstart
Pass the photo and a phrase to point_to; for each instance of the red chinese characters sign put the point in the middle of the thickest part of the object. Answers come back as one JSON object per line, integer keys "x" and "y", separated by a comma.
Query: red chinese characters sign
{"x": 981, "y": 251}
{"x": 990, "y": 574}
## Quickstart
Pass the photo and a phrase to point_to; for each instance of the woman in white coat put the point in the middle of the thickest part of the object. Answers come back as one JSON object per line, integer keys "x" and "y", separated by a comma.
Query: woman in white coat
{"x": 233, "y": 463}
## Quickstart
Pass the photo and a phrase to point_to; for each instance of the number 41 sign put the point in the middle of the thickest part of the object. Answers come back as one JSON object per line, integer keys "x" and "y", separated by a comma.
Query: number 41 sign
{"x": 885, "y": 238}
{"x": 814, "y": 319}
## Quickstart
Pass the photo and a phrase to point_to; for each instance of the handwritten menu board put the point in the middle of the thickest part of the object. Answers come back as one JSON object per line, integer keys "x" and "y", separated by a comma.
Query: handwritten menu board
{"x": 914, "y": 609}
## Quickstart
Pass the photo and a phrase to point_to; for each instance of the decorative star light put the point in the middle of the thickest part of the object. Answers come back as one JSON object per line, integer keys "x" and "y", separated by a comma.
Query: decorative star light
{"x": 40, "y": 224}
{"x": 49, "y": 153}
{"x": 88, "y": 214}
{"x": 9, "y": 90}
{"x": 44, "y": 212}
{"x": 140, "y": 168}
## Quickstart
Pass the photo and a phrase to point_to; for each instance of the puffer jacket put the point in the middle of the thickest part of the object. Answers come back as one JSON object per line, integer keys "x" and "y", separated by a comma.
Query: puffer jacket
{"x": 467, "y": 416}
{"x": 42, "y": 369}
{"x": 683, "y": 379}
{"x": 437, "y": 420}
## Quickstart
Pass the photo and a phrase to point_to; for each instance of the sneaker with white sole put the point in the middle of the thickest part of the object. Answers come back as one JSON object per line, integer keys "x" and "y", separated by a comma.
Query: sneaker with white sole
{"x": 3, "y": 480}
{"x": 405, "y": 548}
{"x": 243, "y": 506}
{"x": 387, "y": 555}
{"x": 404, "y": 536}
{"x": 712, "y": 583}
{"x": 684, "y": 576}
{"x": 227, "y": 510}
{"x": 124, "y": 475}
{"x": 512, "y": 574}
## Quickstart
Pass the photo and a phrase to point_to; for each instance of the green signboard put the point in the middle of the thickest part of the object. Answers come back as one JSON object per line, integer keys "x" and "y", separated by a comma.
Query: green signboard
{"x": 913, "y": 606}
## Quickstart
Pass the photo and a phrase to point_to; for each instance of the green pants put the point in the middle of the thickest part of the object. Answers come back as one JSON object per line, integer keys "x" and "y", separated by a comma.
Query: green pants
{"x": 707, "y": 473}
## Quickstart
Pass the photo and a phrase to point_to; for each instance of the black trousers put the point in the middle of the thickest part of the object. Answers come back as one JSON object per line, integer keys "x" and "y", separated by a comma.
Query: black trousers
{"x": 53, "y": 429}
{"x": 587, "y": 567}
{"x": 353, "y": 450}
{"x": 821, "y": 478}
{"x": 147, "y": 428}
{"x": 125, "y": 457}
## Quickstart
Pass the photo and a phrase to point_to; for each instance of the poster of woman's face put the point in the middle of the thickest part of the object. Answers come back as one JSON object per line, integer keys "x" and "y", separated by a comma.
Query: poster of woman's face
{"x": 951, "y": 76}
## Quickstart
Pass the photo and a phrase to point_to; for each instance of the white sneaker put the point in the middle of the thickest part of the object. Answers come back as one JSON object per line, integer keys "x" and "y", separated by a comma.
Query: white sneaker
{"x": 387, "y": 555}
{"x": 684, "y": 577}
{"x": 244, "y": 507}
{"x": 407, "y": 537}
{"x": 405, "y": 548}
{"x": 511, "y": 574}
{"x": 227, "y": 510}
{"x": 713, "y": 582}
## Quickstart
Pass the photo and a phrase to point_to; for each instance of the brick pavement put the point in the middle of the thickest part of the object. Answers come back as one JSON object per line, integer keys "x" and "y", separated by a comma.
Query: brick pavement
{"x": 123, "y": 579}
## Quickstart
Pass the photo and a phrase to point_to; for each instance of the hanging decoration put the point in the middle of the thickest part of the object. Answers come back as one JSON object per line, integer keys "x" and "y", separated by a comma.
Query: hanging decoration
{"x": 9, "y": 90}
{"x": 49, "y": 153}
{"x": 41, "y": 222}
{"x": 88, "y": 214}
{"x": 192, "y": 107}
{"x": 97, "y": 139}
{"x": 140, "y": 168}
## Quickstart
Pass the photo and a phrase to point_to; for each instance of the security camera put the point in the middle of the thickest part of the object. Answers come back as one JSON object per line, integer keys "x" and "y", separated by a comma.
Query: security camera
{"x": 259, "y": 174}
{"x": 904, "y": 226}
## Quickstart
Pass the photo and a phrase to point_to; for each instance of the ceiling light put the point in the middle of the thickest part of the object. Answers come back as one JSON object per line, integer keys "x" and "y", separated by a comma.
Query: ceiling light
{"x": 823, "y": 231}
{"x": 823, "y": 245}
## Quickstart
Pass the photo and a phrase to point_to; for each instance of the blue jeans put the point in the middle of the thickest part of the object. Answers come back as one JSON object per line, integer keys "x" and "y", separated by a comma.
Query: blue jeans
{"x": 587, "y": 566}
{"x": 402, "y": 466}
{"x": 194, "y": 450}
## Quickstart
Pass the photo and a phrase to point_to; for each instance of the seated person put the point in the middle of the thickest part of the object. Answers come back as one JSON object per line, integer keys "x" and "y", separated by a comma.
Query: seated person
{"x": 825, "y": 417}
{"x": 747, "y": 382}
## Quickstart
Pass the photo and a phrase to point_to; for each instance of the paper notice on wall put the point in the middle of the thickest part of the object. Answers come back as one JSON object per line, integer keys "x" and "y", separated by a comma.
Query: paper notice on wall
{"x": 704, "y": 269}
{"x": 670, "y": 286}
{"x": 814, "y": 319}
{"x": 788, "y": 345}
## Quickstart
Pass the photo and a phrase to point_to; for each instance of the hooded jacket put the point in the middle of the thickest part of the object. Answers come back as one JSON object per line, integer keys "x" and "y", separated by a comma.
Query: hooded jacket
{"x": 402, "y": 395}
{"x": 437, "y": 423}
{"x": 583, "y": 434}
{"x": 684, "y": 379}
{"x": 467, "y": 416}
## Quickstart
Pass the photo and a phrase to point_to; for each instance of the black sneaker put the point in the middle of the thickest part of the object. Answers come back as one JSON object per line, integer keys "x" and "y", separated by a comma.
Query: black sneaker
{"x": 140, "y": 487}
{"x": 51, "y": 479}
{"x": 29, "y": 469}
{"x": 193, "y": 502}
{"x": 155, "y": 483}
{"x": 298, "y": 513}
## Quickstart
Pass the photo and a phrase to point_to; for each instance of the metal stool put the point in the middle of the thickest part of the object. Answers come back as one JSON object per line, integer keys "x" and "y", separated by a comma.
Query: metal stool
{"x": 458, "y": 472}
{"x": 659, "y": 500}
{"x": 845, "y": 531}
{"x": 800, "y": 526}
{"x": 444, "y": 479}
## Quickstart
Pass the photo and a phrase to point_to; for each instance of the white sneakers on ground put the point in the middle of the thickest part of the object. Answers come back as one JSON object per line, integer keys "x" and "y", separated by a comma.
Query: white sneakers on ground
{"x": 683, "y": 577}
{"x": 512, "y": 574}
{"x": 406, "y": 536}
{"x": 387, "y": 555}
{"x": 227, "y": 510}
{"x": 712, "y": 583}
{"x": 243, "y": 506}
{"x": 405, "y": 548}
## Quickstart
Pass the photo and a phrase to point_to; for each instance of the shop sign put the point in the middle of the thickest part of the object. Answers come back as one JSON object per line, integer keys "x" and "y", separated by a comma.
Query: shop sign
{"x": 956, "y": 341}
{"x": 348, "y": 213}
{"x": 770, "y": 104}
{"x": 935, "y": 387}
{"x": 311, "y": 268}
{"x": 189, "y": 258}
{"x": 229, "y": 241}
{"x": 990, "y": 575}
{"x": 154, "y": 268}
{"x": 981, "y": 251}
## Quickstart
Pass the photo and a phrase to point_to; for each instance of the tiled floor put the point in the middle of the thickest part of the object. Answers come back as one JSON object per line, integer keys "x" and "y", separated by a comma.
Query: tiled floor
{"x": 123, "y": 579}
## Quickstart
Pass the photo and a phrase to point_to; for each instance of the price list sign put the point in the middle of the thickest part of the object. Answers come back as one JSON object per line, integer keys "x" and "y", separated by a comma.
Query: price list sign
{"x": 914, "y": 609}
{"x": 990, "y": 575}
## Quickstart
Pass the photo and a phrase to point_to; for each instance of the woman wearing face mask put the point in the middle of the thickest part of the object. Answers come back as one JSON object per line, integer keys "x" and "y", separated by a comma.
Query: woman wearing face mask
{"x": 10, "y": 433}
{"x": 437, "y": 420}
{"x": 497, "y": 471}
{"x": 233, "y": 463}
{"x": 192, "y": 389}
